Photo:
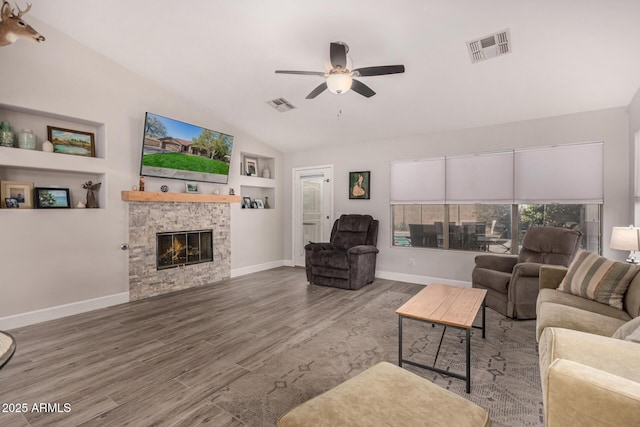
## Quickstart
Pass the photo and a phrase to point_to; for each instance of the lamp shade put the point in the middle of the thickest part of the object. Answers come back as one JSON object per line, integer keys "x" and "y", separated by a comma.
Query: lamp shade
{"x": 339, "y": 82}
{"x": 625, "y": 238}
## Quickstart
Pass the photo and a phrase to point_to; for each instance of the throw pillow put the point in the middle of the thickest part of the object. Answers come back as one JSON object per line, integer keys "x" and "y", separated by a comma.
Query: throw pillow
{"x": 598, "y": 278}
{"x": 629, "y": 328}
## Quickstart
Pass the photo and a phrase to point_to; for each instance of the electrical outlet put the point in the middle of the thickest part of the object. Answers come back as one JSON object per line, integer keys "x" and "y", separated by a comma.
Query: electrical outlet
{"x": 412, "y": 262}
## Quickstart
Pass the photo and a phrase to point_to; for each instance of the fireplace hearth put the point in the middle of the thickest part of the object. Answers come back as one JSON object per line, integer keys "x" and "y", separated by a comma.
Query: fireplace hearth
{"x": 180, "y": 248}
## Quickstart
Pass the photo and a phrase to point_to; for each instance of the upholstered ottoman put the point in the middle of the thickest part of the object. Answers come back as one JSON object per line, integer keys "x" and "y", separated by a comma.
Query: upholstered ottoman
{"x": 386, "y": 395}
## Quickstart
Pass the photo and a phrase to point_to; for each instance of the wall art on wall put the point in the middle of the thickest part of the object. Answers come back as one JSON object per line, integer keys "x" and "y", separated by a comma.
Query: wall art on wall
{"x": 19, "y": 190}
{"x": 360, "y": 185}
{"x": 68, "y": 141}
{"x": 52, "y": 198}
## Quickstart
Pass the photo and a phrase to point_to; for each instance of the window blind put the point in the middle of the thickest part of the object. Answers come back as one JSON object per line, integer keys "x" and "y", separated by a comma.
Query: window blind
{"x": 418, "y": 181}
{"x": 480, "y": 178}
{"x": 561, "y": 174}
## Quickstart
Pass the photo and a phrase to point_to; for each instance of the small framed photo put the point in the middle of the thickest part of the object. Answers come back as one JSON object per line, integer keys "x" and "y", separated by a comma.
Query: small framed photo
{"x": 69, "y": 141}
{"x": 52, "y": 198}
{"x": 246, "y": 202}
{"x": 250, "y": 166}
{"x": 360, "y": 185}
{"x": 259, "y": 203}
{"x": 19, "y": 190}
{"x": 11, "y": 203}
{"x": 191, "y": 187}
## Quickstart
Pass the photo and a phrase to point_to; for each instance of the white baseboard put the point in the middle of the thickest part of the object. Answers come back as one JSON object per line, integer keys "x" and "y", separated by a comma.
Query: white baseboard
{"x": 51, "y": 313}
{"x": 257, "y": 268}
{"x": 420, "y": 280}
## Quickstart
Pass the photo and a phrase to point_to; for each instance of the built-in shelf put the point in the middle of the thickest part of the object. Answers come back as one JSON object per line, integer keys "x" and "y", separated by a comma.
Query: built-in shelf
{"x": 54, "y": 170}
{"x": 151, "y": 196}
{"x": 55, "y": 162}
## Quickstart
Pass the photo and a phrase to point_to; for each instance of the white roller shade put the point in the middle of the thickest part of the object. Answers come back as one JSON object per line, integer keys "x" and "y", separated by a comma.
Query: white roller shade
{"x": 571, "y": 174}
{"x": 480, "y": 178}
{"x": 419, "y": 181}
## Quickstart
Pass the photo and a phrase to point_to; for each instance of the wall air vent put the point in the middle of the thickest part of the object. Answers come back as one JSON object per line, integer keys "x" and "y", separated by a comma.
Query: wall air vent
{"x": 490, "y": 46}
{"x": 281, "y": 105}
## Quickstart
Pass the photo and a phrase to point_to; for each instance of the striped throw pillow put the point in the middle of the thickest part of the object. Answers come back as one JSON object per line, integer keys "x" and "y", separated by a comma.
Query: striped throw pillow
{"x": 598, "y": 278}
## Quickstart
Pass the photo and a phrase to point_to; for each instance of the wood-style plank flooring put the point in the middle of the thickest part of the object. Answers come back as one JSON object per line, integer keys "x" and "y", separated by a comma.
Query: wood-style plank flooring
{"x": 161, "y": 361}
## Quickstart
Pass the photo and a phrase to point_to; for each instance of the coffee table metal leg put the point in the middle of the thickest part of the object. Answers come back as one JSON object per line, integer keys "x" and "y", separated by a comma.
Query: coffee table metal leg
{"x": 400, "y": 341}
{"x": 469, "y": 359}
{"x": 484, "y": 325}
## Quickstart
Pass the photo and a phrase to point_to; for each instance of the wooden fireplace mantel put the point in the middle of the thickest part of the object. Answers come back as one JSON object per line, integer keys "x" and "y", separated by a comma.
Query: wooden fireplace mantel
{"x": 151, "y": 196}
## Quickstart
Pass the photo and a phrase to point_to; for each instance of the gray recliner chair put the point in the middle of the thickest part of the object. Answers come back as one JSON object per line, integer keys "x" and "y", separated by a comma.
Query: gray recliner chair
{"x": 348, "y": 261}
{"x": 512, "y": 282}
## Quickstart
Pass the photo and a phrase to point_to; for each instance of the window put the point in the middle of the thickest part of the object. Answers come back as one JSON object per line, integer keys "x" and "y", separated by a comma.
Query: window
{"x": 483, "y": 197}
{"x": 582, "y": 217}
{"x": 487, "y": 228}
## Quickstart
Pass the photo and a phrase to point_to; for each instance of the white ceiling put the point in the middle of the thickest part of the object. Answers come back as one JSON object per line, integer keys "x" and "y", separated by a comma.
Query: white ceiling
{"x": 568, "y": 56}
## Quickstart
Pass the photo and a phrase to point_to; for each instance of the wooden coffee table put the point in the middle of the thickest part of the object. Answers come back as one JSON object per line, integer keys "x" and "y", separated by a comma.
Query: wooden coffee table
{"x": 446, "y": 305}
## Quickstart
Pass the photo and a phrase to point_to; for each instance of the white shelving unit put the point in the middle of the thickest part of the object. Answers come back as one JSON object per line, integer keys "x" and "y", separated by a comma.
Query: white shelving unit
{"x": 258, "y": 186}
{"x": 53, "y": 170}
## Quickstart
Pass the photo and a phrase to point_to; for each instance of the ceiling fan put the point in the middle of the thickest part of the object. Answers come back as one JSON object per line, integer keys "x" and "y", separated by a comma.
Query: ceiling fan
{"x": 339, "y": 75}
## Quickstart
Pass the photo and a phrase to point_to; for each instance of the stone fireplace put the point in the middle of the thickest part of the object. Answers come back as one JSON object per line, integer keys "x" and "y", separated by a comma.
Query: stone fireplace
{"x": 151, "y": 223}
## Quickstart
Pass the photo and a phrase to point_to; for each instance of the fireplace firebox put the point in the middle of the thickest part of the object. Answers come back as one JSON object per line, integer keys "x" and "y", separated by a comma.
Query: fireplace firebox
{"x": 180, "y": 248}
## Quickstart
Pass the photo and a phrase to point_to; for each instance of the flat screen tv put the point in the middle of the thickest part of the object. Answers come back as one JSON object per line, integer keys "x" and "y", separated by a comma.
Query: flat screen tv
{"x": 179, "y": 150}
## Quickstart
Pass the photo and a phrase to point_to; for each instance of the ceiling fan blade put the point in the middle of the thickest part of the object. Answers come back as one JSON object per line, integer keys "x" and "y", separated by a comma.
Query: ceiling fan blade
{"x": 379, "y": 71}
{"x": 306, "y": 73}
{"x": 338, "y": 55}
{"x": 317, "y": 91}
{"x": 362, "y": 88}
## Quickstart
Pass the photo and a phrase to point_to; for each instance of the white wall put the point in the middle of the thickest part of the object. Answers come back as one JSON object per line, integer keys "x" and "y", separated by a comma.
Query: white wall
{"x": 610, "y": 126}
{"x": 52, "y": 259}
{"x": 634, "y": 127}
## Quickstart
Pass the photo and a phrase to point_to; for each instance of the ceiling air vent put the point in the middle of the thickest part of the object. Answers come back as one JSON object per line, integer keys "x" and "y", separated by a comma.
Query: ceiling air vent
{"x": 490, "y": 46}
{"x": 281, "y": 105}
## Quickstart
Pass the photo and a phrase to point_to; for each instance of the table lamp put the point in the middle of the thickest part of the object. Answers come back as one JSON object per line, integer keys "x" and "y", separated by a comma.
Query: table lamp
{"x": 626, "y": 239}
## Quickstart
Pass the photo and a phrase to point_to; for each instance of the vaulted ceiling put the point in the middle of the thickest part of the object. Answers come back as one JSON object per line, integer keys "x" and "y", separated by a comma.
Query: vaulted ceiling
{"x": 567, "y": 56}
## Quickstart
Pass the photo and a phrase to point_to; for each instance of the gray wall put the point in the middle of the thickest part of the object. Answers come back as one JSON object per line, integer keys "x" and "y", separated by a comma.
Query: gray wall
{"x": 610, "y": 126}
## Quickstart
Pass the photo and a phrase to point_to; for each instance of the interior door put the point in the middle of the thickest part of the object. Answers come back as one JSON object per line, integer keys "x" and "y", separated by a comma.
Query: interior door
{"x": 312, "y": 201}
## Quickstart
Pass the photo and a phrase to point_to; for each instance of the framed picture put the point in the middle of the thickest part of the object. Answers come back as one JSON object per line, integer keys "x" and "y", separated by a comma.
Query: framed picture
{"x": 19, "y": 190}
{"x": 259, "y": 203}
{"x": 52, "y": 198}
{"x": 69, "y": 141}
{"x": 246, "y": 202}
{"x": 360, "y": 185}
{"x": 250, "y": 166}
{"x": 11, "y": 203}
{"x": 191, "y": 187}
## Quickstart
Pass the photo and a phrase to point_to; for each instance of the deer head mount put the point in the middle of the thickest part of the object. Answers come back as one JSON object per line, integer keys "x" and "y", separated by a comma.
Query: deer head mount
{"x": 12, "y": 27}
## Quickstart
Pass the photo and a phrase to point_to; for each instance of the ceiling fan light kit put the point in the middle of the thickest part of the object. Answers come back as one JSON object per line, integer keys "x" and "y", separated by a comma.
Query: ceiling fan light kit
{"x": 339, "y": 83}
{"x": 339, "y": 75}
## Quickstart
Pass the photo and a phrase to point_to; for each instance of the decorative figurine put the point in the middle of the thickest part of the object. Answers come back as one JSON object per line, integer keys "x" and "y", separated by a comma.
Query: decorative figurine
{"x": 164, "y": 188}
{"x": 232, "y": 192}
{"x": 141, "y": 186}
{"x": 91, "y": 197}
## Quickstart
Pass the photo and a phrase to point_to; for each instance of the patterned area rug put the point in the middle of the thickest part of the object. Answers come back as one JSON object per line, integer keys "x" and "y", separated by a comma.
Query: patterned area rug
{"x": 504, "y": 372}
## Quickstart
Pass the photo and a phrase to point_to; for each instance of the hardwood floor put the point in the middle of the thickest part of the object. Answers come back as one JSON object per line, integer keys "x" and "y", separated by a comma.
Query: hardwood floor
{"x": 161, "y": 361}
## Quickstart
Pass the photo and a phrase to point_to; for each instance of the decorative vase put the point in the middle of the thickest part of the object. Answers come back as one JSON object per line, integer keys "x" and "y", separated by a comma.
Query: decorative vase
{"x": 47, "y": 146}
{"x": 26, "y": 139}
{"x": 266, "y": 173}
{"x": 266, "y": 203}
{"x": 6, "y": 135}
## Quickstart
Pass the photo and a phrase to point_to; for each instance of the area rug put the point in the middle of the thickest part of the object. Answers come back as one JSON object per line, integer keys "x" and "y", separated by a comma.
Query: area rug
{"x": 504, "y": 372}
